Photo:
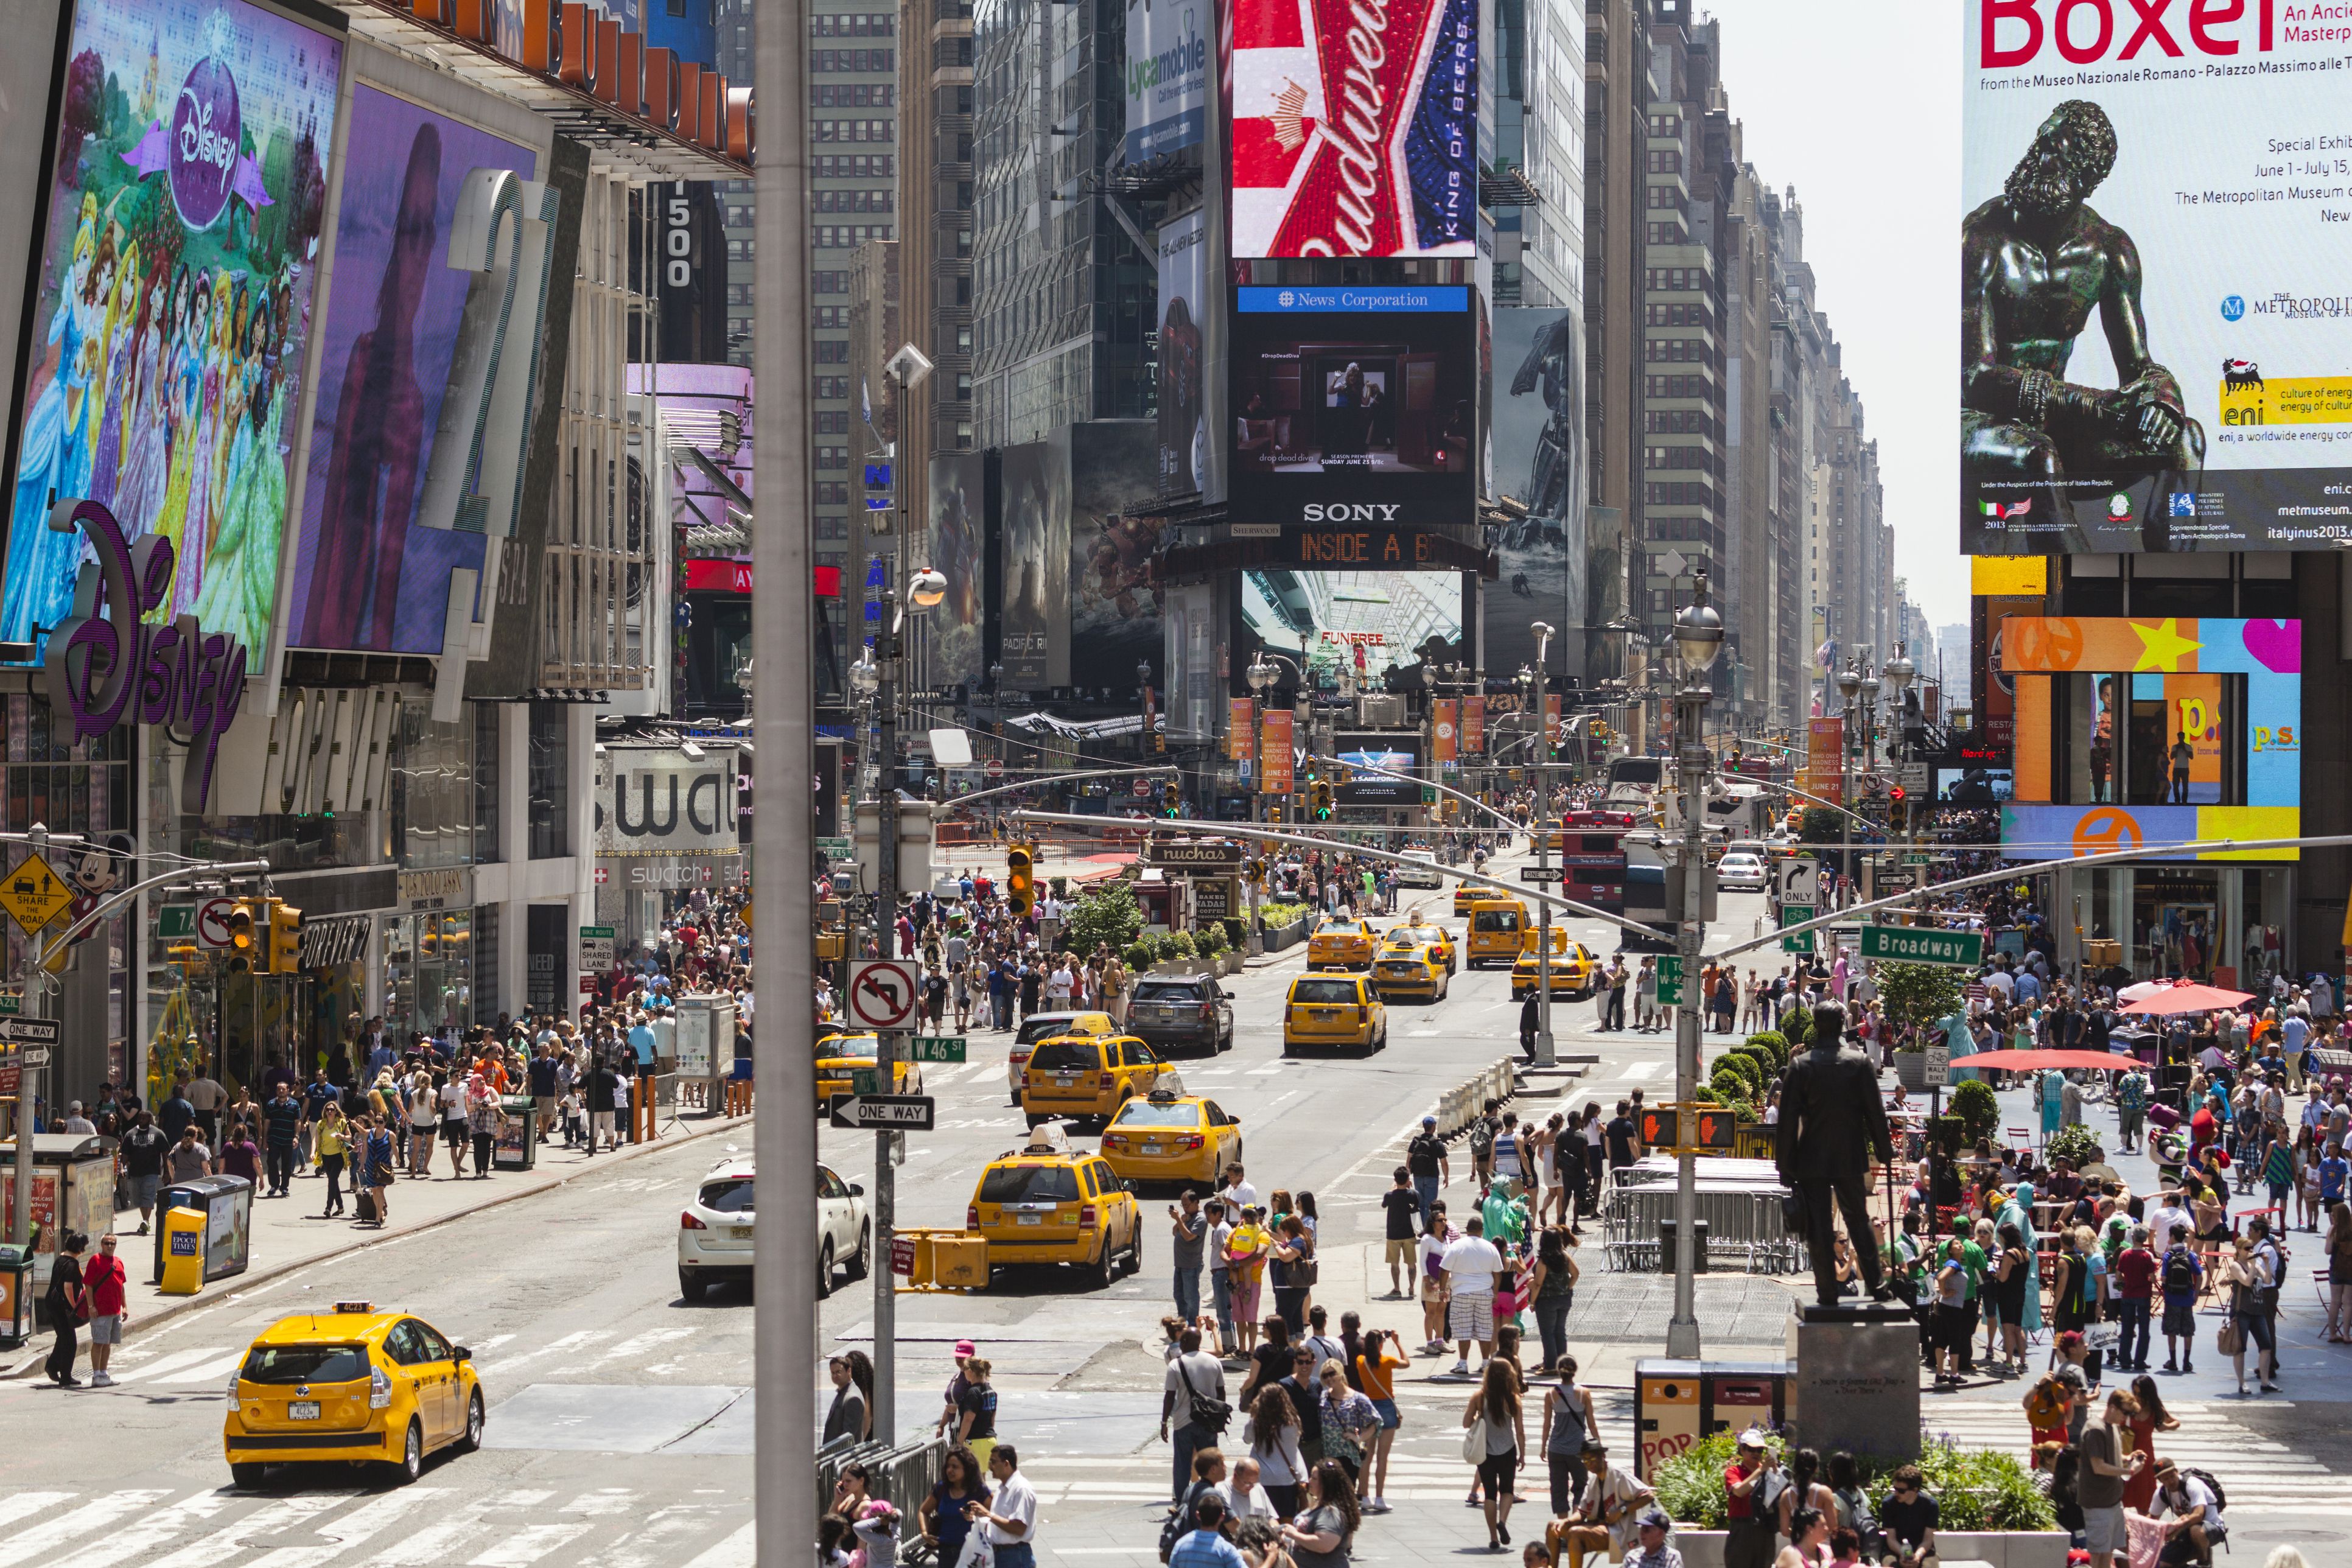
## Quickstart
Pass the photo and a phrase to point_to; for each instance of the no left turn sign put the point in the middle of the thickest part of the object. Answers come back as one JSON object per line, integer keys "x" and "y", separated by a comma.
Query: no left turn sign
{"x": 883, "y": 993}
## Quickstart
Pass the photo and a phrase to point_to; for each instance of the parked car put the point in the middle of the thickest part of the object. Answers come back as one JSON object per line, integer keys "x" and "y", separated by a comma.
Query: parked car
{"x": 1740, "y": 870}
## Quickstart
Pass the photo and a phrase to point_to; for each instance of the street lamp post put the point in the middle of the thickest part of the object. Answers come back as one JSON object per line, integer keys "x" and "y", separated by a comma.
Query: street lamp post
{"x": 1698, "y": 635}
{"x": 1262, "y": 673}
{"x": 1899, "y": 673}
{"x": 1849, "y": 683}
{"x": 1545, "y": 1056}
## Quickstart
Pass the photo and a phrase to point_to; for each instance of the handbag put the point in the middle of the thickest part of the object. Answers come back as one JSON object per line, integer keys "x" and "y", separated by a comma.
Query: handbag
{"x": 1473, "y": 1441}
{"x": 1203, "y": 1409}
{"x": 2232, "y": 1337}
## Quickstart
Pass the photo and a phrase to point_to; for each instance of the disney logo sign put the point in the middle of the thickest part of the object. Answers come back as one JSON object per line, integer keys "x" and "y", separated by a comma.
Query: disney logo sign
{"x": 207, "y": 134}
{"x": 113, "y": 668}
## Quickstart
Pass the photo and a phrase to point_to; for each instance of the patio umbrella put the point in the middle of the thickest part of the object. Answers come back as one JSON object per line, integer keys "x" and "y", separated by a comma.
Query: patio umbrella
{"x": 2028, "y": 1061}
{"x": 2145, "y": 988}
{"x": 2187, "y": 996}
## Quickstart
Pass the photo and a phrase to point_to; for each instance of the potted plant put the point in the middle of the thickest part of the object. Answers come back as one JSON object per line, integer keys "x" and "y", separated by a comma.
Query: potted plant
{"x": 1913, "y": 996}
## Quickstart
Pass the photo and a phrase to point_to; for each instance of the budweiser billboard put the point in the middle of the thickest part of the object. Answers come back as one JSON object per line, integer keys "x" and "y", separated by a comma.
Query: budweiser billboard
{"x": 1355, "y": 127}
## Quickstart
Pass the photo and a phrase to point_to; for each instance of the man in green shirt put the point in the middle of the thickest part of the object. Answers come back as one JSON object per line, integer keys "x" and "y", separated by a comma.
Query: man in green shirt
{"x": 1973, "y": 1259}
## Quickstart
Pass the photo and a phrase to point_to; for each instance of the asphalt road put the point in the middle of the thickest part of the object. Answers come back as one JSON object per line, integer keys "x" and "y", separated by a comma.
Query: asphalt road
{"x": 619, "y": 1428}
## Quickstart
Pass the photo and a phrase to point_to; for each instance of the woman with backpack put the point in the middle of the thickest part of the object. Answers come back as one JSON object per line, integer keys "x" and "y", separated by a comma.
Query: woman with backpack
{"x": 2180, "y": 1276}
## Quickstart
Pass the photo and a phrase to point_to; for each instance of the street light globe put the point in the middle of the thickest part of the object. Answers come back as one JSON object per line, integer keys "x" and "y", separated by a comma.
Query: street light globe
{"x": 1900, "y": 671}
{"x": 1699, "y": 629}
{"x": 864, "y": 676}
{"x": 1525, "y": 679}
{"x": 926, "y": 588}
{"x": 1869, "y": 689}
{"x": 1849, "y": 681}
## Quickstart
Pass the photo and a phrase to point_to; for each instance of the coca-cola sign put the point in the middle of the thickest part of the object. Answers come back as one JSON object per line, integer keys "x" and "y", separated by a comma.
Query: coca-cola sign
{"x": 207, "y": 129}
{"x": 1355, "y": 127}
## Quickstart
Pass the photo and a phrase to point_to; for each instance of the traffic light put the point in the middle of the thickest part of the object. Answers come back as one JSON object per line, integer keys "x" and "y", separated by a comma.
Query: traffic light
{"x": 1020, "y": 879}
{"x": 1274, "y": 811}
{"x": 1322, "y": 800}
{"x": 1170, "y": 798}
{"x": 284, "y": 955}
{"x": 243, "y": 955}
{"x": 1898, "y": 808}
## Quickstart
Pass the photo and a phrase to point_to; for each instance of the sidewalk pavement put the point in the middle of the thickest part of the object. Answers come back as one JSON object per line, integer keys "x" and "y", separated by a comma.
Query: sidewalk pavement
{"x": 288, "y": 1234}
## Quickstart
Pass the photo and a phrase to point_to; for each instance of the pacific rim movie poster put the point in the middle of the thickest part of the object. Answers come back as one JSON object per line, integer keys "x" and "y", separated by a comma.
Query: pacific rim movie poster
{"x": 1035, "y": 486}
{"x": 1115, "y": 613}
{"x": 959, "y": 531}
{"x": 172, "y": 314}
{"x": 368, "y": 578}
{"x": 1539, "y": 478}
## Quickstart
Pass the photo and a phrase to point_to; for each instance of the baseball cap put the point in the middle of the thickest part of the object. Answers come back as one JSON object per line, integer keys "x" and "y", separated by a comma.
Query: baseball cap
{"x": 1653, "y": 1518}
{"x": 1754, "y": 1438}
{"x": 1429, "y": 1122}
{"x": 966, "y": 1348}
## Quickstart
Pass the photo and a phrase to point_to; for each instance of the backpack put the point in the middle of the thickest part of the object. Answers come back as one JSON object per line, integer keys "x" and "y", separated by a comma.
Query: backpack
{"x": 2221, "y": 1501}
{"x": 2179, "y": 1271}
{"x": 1180, "y": 1522}
{"x": 1481, "y": 1139}
{"x": 2045, "y": 1407}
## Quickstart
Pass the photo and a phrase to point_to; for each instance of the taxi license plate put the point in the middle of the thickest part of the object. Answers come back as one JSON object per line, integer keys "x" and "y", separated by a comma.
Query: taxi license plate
{"x": 302, "y": 1410}
{"x": 1065, "y": 1082}
{"x": 1325, "y": 1014}
{"x": 741, "y": 1232}
{"x": 1152, "y": 1148}
{"x": 1029, "y": 1219}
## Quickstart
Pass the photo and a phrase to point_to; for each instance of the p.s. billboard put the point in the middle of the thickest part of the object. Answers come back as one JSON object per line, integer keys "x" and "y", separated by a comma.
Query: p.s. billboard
{"x": 1355, "y": 127}
{"x": 1353, "y": 404}
{"x": 2156, "y": 335}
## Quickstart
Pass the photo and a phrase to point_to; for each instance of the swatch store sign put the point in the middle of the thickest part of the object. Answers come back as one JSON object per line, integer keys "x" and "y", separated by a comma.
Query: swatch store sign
{"x": 666, "y": 818}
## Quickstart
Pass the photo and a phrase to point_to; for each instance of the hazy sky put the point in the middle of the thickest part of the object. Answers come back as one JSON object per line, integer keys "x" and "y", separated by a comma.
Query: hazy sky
{"x": 1861, "y": 112}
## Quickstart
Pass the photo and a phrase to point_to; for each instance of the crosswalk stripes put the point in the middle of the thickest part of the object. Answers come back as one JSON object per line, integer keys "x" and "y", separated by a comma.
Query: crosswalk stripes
{"x": 2260, "y": 1475}
{"x": 343, "y": 1527}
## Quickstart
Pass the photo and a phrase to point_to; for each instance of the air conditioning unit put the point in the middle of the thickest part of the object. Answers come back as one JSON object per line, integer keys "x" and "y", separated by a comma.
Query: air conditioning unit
{"x": 1382, "y": 710}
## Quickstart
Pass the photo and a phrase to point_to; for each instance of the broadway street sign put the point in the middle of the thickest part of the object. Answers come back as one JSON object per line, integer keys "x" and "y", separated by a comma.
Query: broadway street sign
{"x": 1916, "y": 944}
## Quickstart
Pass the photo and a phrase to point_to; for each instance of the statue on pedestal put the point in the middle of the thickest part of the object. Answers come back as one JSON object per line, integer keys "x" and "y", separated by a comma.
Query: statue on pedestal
{"x": 1831, "y": 1123}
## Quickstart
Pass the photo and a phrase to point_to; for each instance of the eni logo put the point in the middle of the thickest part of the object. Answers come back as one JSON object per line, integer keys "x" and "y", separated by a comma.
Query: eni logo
{"x": 2106, "y": 828}
{"x": 2280, "y": 739}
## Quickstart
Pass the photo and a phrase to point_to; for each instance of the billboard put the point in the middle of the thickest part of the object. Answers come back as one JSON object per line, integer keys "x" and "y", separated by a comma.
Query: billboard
{"x": 1035, "y": 488}
{"x": 2177, "y": 374}
{"x": 1538, "y": 461}
{"x": 1354, "y": 405}
{"x": 1355, "y": 127}
{"x": 1185, "y": 430}
{"x": 959, "y": 529}
{"x": 659, "y": 800}
{"x": 1367, "y": 622}
{"x": 368, "y": 576}
{"x": 172, "y": 313}
{"x": 1114, "y": 608}
{"x": 1167, "y": 77}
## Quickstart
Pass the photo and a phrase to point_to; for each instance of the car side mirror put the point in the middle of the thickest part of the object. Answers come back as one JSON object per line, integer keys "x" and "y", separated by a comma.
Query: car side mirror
{"x": 462, "y": 1352}
{"x": 857, "y": 1189}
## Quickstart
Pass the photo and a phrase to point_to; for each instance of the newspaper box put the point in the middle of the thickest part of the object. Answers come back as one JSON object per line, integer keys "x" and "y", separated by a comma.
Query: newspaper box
{"x": 517, "y": 1146}
{"x": 73, "y": 1189}
{"x": 227, "y": 1203}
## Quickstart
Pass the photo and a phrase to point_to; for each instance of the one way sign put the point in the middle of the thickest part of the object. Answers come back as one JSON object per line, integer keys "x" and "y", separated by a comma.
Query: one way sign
{"x": 883, "y": 1113}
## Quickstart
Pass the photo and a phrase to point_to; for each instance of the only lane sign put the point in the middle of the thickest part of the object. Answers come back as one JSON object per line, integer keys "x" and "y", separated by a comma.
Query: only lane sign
{"x": 883, "y": 1113}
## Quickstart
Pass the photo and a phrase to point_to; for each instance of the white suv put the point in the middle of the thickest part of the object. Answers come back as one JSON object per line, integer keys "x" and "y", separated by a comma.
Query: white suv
{"x": 715, "y": 1230}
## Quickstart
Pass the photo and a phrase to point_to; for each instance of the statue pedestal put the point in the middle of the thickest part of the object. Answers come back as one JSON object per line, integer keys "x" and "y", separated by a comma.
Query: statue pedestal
{"x": 1853, "y": 1379}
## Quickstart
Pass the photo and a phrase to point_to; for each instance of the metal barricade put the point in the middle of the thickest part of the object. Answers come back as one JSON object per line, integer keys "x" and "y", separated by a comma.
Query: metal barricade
{"x": 905, "y": 1475}
{"x": 1744, "y": 1222}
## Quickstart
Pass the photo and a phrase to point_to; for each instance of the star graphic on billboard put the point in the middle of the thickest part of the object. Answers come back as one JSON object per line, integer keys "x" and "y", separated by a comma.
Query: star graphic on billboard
{"x": 2162, "y": 646}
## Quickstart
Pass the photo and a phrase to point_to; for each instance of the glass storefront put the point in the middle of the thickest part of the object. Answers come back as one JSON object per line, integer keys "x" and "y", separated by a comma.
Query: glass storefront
{"x": 429, "y": 974}
{"x": 2222, "y": 924}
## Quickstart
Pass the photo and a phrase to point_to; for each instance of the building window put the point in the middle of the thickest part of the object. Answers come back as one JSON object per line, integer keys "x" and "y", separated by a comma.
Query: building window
{"x": 551, "y": 781}
{"x": 485, "y": 954}
{"x": 833, "y": 457}
{"x": 833, "y": 492}
{"x": 830, "y": 422}
{"x": 489, "y": 842}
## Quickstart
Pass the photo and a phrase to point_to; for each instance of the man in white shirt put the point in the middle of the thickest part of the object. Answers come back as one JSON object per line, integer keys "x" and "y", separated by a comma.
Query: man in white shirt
{"x": 1237, "y": 1192}
{"x": 2186, "y": 1506}
{"x": 1471, "y": 1264}
{"x": 2169, "y": 1219}
{"x": 1008, "y": 1521}
{"x": 1192, "y": 1373}
{"x": 1244, "y": 1497}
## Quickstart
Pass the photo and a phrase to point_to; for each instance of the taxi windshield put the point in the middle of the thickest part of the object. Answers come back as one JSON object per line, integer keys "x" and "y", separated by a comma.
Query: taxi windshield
{"x": 1138, "y": 1114}
{"x": 1324, "y": 991}
{"x": 844, "y": 1047}
{"x": 1066, "y": 1055}
{"x": 1494, "y": 920}
{"x": 305, "y": 1364}
{"x": 1029, "y": 1185}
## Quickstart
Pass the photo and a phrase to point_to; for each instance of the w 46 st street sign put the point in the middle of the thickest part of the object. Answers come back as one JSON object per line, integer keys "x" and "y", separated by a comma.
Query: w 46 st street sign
{"x": 1913, "y": 944}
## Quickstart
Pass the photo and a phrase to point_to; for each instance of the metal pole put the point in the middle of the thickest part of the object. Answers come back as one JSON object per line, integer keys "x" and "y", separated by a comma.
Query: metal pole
{"x": 886, "y": 1041}
{"x": 36, "y": 996}
{"x": 784, "y": 1319}
{"x": 1690, "y": 938}
{"x": 1545, "y": 1056}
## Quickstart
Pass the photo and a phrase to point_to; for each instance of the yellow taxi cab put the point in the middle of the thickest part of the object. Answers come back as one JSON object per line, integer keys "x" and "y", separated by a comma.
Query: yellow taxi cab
{"x": 1076, "y": 1076}
{"x": 1044, "y": 1203}
{"x": 839, "y": 1055}
{"x": 1171, "y": 1137}
{"x": 1573, "y": 967}
{"x": 1416, "y": 932}
{"x": 1342, "y": 944}
{"x": 1497, "y": 930}
{"x": 1468, "y": 893}
{"x": 1413, "y": 969}
{"x": 1039, "y": 1026}
{"x": 353, "y": 1384}
{"x": 1334, "y": 1010}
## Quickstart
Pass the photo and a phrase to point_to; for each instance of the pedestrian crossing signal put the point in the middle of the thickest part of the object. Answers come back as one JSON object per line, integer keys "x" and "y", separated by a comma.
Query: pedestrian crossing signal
{"x": 1713, "y": 1130}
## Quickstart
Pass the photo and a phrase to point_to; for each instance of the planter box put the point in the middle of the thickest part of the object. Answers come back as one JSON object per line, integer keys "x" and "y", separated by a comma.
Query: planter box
{"x": 1290, "y": 935}
{"x": 1911, "y": 1070}
{"x": 2001, "y": 1549}
{"x": 1185, "y": 968}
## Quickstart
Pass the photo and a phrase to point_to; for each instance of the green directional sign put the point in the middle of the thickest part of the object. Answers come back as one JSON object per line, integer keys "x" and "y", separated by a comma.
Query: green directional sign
{"x": 1797, "y": 915}
{"x": 1670, "y": 980}
{"x": 938, "y": 1048}
{"x": 1919, "y": 860}
{"x": 1917, "y": 944}
{"x": 176, "y": 922}
{"x": 866, "y": 1080}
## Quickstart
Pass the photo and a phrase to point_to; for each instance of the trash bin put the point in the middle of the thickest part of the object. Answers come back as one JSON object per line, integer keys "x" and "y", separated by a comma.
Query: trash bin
{"x": 16, "y": 1296}
{"x": 518, "y": 1143}
{"x": 227, "y": 1203}
{"x": 180, "y": 1237}
{"x": 73, "y": 1189}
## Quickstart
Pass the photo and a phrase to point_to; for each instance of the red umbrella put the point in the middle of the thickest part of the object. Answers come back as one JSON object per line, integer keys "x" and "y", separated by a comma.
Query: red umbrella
{"x": 2188, "y": 996}
{"x": 2025, "y": 1061}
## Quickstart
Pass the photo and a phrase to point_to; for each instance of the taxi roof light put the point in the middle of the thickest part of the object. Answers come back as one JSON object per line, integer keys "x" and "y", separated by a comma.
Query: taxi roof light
{"x": 355, "y": 1307}
{"x": 1162, "y": 1096}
